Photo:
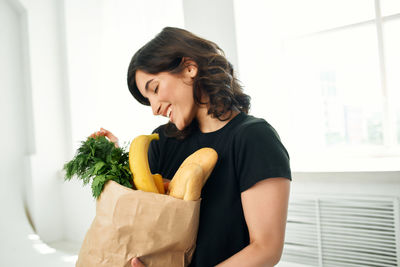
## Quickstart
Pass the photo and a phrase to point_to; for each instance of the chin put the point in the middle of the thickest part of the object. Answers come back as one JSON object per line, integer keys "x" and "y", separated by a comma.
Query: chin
{"x": 181, "y": 125}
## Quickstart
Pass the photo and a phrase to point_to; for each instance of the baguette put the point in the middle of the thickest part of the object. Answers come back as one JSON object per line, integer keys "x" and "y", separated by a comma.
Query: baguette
{"x": 193, "y": 174}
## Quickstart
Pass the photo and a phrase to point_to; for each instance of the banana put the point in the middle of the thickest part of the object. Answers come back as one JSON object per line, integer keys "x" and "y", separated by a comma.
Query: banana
{"x": 139, "y": 163}
{"x": 158, "y": 180}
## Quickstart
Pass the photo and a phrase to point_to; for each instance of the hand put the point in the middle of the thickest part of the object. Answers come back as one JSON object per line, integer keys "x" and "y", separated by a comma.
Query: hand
{"x": 135, "y": 262}
{"x": 108, "y": 134}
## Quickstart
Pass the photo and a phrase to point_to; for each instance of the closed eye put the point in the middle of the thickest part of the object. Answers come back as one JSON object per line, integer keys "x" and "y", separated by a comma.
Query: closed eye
{"x": 156, "y": 90}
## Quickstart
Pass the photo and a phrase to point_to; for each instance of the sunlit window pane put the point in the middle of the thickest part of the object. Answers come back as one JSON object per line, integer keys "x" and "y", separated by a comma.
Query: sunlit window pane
{"x": 390, "y": 7}
{"x": 307, "y": 16}
{"x": 392, "y": 43}
{"x": 335, "y": 83}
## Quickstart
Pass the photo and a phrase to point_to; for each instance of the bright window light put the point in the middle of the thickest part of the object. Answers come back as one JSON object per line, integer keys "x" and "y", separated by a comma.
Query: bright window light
{"x": 42, "y": 248}
{"x": 33, "y": 237}
{"x": 72, "y": 258}
{"x": 336, "y": 78}
{"x": 325, "y": 75}
{"x": 391, "y": 32}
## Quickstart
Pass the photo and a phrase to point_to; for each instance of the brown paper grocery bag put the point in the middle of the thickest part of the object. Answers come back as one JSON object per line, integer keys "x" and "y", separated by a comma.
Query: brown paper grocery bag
{"x": 159, "y": 229}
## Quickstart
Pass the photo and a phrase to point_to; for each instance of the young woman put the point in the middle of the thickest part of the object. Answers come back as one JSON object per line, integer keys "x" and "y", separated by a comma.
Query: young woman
{"x": 244, "y": 202}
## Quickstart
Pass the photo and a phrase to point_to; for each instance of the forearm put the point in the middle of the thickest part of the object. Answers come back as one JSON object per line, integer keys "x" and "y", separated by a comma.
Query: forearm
{"x": 253, "y": 255}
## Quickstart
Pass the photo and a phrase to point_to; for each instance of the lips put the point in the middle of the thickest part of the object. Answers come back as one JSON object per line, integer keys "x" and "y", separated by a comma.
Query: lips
{"x": 165, "y": 111}
{"x": 169, "y": 112}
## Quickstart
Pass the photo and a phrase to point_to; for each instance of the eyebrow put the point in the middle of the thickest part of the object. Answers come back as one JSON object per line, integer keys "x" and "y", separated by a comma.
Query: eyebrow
{"x": 146, "y": 87}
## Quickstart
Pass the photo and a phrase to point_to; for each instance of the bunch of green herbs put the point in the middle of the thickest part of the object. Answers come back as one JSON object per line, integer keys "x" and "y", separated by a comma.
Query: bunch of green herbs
{"x": 98, "y": 160}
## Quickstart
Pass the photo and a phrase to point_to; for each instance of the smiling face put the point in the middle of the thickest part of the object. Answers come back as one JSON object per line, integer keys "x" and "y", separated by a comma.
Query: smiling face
{"x": 170, "y": 95}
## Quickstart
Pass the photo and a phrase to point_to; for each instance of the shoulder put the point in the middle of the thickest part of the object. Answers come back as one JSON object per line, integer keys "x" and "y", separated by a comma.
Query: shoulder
{"x": 259, "y": 153}
{"x": 255, "y": 135}
{"x": 252, "y": 129}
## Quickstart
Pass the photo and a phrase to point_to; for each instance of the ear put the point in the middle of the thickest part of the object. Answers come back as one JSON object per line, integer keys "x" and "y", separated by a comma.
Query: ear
{"x": 191, "y": 67}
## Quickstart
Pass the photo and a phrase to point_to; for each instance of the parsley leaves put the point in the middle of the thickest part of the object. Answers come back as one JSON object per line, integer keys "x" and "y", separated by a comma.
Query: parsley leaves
{"x": 99, "y": 161}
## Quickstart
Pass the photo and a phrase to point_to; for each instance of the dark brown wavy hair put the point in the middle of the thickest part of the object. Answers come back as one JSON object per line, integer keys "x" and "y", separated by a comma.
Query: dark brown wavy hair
{"x": 215, "y": 75}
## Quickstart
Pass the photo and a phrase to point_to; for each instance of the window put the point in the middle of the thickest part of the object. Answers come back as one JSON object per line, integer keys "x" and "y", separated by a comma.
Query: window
{"x": 336, "y": 76}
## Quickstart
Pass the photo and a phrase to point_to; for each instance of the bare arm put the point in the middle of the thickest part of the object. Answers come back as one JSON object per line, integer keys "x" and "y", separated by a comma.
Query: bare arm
{"x": 265, "y": 209}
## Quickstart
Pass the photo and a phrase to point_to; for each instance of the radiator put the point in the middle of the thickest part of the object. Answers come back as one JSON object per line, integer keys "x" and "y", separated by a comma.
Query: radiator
{"x": 342, "y": 231}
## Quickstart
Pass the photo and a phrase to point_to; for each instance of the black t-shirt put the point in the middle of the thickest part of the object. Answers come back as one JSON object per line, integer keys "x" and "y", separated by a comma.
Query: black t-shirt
{"x": 249, "y": 150}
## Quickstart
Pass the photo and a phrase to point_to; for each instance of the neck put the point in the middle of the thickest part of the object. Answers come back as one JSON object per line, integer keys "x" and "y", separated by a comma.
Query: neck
{"x": 208, "y": 123}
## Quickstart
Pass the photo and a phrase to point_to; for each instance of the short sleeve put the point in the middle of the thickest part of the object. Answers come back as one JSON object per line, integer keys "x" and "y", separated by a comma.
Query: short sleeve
{"x": 259, "y": 154}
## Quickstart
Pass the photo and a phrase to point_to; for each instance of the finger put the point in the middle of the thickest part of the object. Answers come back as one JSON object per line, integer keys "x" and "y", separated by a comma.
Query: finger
{"x": 108, "y": 133}
{"x": 105, "y": 131}
{"x": 136, "y": 263}
{"x": 93, "y": 135}
{"x": 110, "y": 136}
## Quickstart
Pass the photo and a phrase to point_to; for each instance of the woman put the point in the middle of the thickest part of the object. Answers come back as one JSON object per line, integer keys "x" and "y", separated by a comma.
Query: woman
{"x": 244, "y": 202}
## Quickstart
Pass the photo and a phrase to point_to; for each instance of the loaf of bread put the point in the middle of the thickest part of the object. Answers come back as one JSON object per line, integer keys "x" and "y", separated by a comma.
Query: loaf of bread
{"x": 193, "y": 174}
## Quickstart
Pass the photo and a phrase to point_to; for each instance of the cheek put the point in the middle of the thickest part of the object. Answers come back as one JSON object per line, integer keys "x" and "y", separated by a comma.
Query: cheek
{"x": 163, "y": 95}
{"x": 167, "y": 92}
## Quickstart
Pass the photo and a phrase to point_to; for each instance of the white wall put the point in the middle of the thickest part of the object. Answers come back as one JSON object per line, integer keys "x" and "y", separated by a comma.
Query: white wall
{"x": 36, "y": 118}
{"x": 354, "y": 183}
{"x": 215, "y": 21}
{"x": 13, "y": 117}
{"x": 101, "y": 39}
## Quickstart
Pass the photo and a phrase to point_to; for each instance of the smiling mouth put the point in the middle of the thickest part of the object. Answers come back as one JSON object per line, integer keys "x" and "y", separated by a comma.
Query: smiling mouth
{"x": 169, "y": 112}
